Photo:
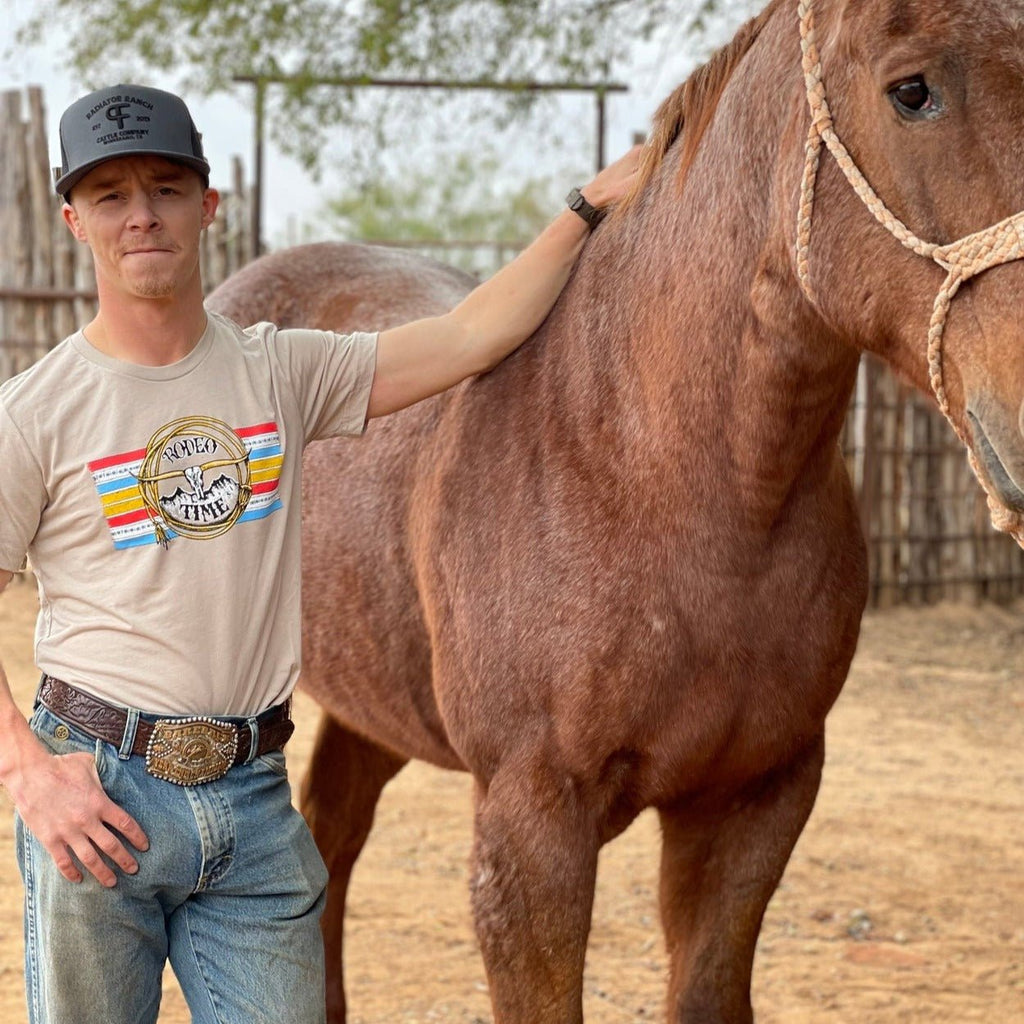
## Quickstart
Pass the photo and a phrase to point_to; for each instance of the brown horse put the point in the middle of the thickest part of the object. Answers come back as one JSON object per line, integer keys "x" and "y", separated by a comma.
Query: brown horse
{"x": 624, "y": 569}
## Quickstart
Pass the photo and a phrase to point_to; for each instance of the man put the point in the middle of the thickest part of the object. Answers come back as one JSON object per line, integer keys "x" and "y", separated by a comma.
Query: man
{"x": 151, "y": 469}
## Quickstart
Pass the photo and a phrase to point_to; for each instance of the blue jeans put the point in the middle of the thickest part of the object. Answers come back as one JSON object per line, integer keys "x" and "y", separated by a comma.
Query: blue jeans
{"x": 231, "y": 891}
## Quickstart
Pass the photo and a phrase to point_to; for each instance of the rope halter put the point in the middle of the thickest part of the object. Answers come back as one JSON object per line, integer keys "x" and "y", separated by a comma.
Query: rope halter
{"x": 962, "y": 260}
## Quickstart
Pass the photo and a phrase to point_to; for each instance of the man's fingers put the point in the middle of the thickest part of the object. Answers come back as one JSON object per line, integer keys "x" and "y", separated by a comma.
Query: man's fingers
{"x": 120, "y": 819}
{"x": 65, "y": 865}
{"x": 90, "y": 859}
{"x": 106, "y": 841}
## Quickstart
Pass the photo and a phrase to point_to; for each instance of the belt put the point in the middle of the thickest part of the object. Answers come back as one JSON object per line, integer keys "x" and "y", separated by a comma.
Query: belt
{"x": 186, "y": 751}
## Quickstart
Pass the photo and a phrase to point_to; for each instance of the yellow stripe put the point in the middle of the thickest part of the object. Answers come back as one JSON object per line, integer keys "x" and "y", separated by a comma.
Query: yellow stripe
{"x": 117, "y": 502}
{"x": 270, "y": 462}
{"x": 261, "y": 476}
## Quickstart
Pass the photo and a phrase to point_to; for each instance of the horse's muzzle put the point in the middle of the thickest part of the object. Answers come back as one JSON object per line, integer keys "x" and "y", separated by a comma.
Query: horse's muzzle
{"x": 1003, "y": 473}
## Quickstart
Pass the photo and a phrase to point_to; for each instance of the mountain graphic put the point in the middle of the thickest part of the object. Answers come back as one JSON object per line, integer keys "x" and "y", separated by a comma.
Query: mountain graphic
{"x": 215, "y": 504}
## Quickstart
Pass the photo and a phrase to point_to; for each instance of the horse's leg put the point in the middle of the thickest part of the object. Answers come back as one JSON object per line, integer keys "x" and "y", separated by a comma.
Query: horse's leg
{"x": 343, "y": 782}
{"x": 534, "y": 867}
{"x": 718, "y": 872}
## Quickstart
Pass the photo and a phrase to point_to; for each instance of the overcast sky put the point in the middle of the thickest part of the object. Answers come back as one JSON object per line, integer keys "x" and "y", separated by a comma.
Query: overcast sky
{"x": 290, "y": 195}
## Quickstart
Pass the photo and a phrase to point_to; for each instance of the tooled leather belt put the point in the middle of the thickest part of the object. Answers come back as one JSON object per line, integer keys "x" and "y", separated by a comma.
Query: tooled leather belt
{"x": 186, "y": 751}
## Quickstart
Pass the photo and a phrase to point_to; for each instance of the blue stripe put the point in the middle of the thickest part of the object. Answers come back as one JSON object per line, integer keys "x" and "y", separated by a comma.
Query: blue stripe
{"x": 265, "y": 453}
{"x": 260, "y": 513}
{"x": 143, "y": 538}
{"x": 120, "y": 484}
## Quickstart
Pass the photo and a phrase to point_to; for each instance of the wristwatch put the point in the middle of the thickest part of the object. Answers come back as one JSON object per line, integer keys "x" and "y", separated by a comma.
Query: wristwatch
{"x": 579, "y": 205}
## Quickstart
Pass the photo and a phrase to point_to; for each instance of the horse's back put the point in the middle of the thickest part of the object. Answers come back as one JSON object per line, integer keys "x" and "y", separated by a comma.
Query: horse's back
{"x": 340, "y": 287}
{"x": 365, "y": 649}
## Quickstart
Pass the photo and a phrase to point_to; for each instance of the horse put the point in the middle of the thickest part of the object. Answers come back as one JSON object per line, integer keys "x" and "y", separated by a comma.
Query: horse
{"x": 624, "y": 569}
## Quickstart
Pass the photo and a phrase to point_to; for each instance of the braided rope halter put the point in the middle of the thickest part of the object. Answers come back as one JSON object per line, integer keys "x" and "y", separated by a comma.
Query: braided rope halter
{"x": 962, "y": 260}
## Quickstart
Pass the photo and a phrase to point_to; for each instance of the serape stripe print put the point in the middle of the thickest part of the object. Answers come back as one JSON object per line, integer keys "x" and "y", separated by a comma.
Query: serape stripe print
{"x": 116, "y": 479}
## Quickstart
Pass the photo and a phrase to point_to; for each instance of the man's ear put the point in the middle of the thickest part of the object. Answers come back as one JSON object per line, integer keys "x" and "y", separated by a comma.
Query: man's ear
{"x": 73, "y": 223}
{"x": 211, "y": 200}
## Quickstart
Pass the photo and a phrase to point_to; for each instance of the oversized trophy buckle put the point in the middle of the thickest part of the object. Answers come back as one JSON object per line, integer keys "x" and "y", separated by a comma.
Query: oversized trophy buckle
{"x": 190, "y": 751}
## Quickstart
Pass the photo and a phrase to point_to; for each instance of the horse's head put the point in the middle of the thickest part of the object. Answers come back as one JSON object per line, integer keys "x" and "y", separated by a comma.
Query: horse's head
{"x": 928, "y": 100}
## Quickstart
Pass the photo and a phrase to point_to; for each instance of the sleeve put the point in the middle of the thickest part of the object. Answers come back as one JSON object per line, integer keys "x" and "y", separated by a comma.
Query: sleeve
{"x": 22, "y": 494}
{"x": 331, "y": 375}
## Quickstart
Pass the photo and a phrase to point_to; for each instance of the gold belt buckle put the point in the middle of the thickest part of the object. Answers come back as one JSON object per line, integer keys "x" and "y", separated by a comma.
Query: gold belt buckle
{"x": 190, "y": 751}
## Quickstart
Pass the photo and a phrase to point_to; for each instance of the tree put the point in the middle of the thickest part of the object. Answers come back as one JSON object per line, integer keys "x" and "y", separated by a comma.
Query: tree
{"x": 207, "y": 42}
{"x": 464, "y": 199}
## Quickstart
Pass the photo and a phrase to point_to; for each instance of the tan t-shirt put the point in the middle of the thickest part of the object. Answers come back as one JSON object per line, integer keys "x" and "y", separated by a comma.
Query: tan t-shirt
{"x": 160, "y": 509}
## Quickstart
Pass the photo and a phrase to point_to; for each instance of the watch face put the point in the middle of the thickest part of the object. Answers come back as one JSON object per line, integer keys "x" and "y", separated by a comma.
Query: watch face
{"x": 576, "y": 200}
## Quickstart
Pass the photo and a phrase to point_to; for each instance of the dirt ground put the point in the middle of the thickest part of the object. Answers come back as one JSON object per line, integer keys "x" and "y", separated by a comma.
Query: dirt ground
{"x": 903, "y": 902}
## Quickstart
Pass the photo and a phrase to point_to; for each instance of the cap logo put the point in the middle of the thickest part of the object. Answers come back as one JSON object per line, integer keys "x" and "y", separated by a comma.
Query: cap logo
{"x": 117, "y": 113}
{"x": 117, "y": 110}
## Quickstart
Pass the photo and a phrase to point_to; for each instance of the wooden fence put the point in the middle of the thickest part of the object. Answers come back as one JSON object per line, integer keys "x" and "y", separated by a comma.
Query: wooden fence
{"x": 47, "y": 287}
{"x": 924, "y": 515}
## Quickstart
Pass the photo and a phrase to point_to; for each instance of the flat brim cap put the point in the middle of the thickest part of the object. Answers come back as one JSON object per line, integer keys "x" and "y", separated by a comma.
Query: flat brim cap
{"x": 126, "y": 120}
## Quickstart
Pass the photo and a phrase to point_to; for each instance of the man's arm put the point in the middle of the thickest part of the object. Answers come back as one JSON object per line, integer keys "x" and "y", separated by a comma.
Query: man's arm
{"x": 427, "y": 356}
{"x": 60, "y": 799}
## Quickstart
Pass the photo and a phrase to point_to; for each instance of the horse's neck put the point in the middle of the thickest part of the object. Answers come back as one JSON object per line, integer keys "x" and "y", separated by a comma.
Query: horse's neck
{"x": 683, "y": 338}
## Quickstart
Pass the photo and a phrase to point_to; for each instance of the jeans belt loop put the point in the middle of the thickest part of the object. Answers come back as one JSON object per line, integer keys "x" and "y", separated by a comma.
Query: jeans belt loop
{"x": 254, "y": 743}
{"x": 131, "y": 724}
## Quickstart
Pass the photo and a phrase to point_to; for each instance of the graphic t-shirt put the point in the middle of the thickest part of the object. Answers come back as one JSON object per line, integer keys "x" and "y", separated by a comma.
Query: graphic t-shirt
{"x": 160, "y": 509}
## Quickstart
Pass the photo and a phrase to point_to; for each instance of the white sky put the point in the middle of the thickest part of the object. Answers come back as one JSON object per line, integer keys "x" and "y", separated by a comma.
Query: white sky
{"x": 291, "y": 196}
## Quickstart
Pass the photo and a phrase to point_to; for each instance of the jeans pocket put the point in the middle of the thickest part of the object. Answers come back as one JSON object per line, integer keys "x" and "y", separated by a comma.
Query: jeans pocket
{"x": 273, "y": 760}
{"x": 60, "y": 737}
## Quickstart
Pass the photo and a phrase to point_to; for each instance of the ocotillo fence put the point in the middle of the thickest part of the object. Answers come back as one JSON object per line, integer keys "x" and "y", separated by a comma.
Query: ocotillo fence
{"x": 923, "y": 514}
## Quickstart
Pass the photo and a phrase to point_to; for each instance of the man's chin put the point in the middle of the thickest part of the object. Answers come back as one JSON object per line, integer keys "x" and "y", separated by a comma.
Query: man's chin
{"x": 154, "y": 288}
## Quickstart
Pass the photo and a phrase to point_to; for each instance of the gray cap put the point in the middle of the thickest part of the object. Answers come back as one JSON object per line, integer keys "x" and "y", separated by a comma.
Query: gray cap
{"x": 126, "y": 120}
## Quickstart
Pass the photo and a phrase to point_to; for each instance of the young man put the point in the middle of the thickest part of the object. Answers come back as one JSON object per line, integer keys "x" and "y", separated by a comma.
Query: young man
{"x": 151, "y": 473}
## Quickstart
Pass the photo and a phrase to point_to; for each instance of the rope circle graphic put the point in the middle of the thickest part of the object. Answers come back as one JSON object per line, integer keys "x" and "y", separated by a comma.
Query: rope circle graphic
{"x": 166, "y": 511}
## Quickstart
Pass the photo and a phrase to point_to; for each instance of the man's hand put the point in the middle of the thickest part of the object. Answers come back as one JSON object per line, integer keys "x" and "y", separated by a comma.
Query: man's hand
{"x": 60, "y": 798}
{"x": 61, "y": 801}
{"x": 612, "y": 183}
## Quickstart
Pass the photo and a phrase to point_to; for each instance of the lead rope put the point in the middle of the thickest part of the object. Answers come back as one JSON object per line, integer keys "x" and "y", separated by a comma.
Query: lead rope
{"x": 962, "y": 260}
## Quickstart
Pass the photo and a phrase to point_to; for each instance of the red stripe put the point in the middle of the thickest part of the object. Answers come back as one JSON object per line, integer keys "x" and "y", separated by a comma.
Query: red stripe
{"x": 127, "y": 518}
{"x": 128, "y": 457}
{"x": 265, "y": 487}
{"x": 116, "y": 460}
{"x": 263, "y": 428}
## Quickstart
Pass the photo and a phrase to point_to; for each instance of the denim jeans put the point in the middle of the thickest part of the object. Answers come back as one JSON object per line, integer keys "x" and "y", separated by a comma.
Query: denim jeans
{"x": 231, "y": 891}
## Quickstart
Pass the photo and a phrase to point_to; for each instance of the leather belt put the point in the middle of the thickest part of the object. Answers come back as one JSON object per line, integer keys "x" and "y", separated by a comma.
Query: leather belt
{"x": 186, "y": 751}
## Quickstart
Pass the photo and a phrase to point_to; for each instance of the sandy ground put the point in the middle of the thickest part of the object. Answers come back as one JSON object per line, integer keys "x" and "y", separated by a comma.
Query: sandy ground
{"x": 903, "y": 902}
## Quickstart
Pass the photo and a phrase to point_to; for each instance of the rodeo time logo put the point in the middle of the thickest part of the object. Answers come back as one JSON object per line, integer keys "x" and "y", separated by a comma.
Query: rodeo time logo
{"x": 194, "y": 480}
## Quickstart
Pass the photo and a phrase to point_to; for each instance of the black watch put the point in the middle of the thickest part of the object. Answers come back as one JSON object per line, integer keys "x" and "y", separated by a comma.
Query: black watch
{"x": 579, "y": 205}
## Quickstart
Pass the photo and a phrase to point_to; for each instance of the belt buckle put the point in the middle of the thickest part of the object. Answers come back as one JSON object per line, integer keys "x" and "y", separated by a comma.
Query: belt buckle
{"x": 190, "y": 751}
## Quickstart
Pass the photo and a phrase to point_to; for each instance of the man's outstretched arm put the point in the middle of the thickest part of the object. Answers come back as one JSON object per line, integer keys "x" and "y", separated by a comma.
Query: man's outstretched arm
{"x": 427, "y": 356}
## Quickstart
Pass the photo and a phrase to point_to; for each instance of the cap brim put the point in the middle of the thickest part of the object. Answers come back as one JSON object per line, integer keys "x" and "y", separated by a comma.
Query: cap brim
{"x": 64, "y": 184}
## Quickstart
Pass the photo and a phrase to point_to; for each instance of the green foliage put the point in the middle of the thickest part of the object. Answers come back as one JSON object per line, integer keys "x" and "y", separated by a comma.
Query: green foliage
{"x": 460, "y": 200}
{"x": 463, "y": 199}
{"x": 207, "y": 42}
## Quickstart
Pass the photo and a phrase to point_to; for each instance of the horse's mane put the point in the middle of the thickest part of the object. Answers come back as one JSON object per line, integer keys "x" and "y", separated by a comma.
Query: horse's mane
{"x": 693, "y": 105}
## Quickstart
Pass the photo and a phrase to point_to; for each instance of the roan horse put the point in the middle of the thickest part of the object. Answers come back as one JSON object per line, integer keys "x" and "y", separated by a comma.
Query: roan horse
{"x": 624, "y": 569}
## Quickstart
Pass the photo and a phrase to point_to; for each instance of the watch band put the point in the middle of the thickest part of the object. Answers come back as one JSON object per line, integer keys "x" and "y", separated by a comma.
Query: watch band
{"x": 578, "y": 204}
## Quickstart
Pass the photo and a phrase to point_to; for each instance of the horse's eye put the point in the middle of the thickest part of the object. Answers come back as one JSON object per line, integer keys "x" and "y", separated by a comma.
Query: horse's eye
{"x": 912, "y": 96}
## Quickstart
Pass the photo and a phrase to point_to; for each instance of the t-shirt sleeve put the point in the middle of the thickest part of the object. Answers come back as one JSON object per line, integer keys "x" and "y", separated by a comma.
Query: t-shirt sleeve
{"x": 22, "y": 494}
{"x": 332, "y": 375}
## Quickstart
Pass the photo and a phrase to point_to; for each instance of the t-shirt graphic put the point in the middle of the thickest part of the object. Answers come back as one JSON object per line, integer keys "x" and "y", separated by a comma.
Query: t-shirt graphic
{"x": 196, "y": 478}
